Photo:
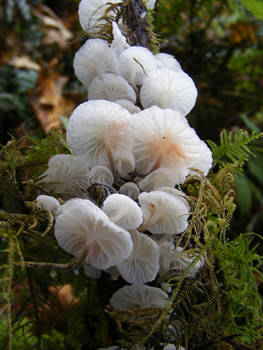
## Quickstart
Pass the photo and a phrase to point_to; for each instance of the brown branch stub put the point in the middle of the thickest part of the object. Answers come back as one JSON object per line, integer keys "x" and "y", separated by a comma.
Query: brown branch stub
{"x": 73, "y": 265}
{"x": 136, "y": 23}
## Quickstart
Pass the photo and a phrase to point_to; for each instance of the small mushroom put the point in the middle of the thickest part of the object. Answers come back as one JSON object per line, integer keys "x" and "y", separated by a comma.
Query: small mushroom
{"x": 94, "y": 58}
{"x": 158, "y": 178}
{"x": 123, "y": 211}
{"x": 83, "y": 230}
{"x": 65, "y": 175}
{"x": 98, "y": 130}
{"x": 130, "y": 106}
{"x": 91, "y": 13}
{"x": 110, "y": 87}
{"x": 163, "y": 138}
{"x": 142, "y": 265}
{"x": 164, "y": 60}
{"x": 167, "y": 88}
{"x": 101, "y": 174}
{"x": 130, "y": 189}
{"x": 163, "y": 213}
{"x": 138, "y": 296}
{"x": 119, "y": 42}
{"x": 135, "y": 62}
{"x": 48, "y": 203}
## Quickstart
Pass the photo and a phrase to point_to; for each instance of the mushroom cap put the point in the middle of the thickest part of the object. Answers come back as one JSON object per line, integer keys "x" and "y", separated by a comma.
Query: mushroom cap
{"x": 205, "y": 161}
{"x": 90, "y": 13}
{"x": 138, "y": 296}
{"x": 163, "y": 213}
{"x": 166, "y": 255}
{"x": 101, "y": 174}
{"x": 48, "y": 203}
{"x": 87, "y": 65}
{"x": 83, "y": 230}
{"x": 142, "y": 265}
{"x": 123, "y": 211}
{"x": 124, "y": 164}
{"x": 64, "y": 172}
{"x": 181, "y": 260}
{"x": 164, "y": 60}
{"x": 119, "y": 42}
{"x": 158, "y": 178}
{"x": 135, "y": 62}
{"x": 130, "y": 106}
{"x": 163, "y": 138}
{"x": 176, "y": 193}
{"x": 99, "y": 129}
{"x": 167, "y": 88}
{"x": 130, "y": 189}
{"x": 150, "y": 4}
{"x": 91, "y": 272}
{"x": 110, "y": 87}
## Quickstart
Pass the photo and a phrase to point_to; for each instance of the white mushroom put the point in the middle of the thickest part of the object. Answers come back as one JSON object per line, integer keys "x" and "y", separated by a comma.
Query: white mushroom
{"x": 164, "y": 60}
{"x": 135, "y": 62}
{"x": 142, "y": 265}
{"x": 124, "y": 163}
{"x": 163, "y": 213}
{"x": 101, "y": 174}
{"x": 110, "y": 87}
{"x": 91, "y": 272}
{"x": 158, "y": 178}
{"x": 182, "y": 261}
{"x": 66, "y": 175}
{"x": 204, "y": 162}
{"x": 123, "y": 211}
{"x": 91, "y": 13}
{"x": 176, "y": 193}
{"x": 166, "y": 88}
{"x": 163, "y": 138}
{"x": 83, "y": 230}
{"x": 130, "y": 189}
{"x": 119, "y": 42}
{"x": 138, "y": 296}
{"x": 130, "y": 106}
{"x": 94, "y": 58}
{"x": 98, "y": 130}
{"x": 48, "y": 203}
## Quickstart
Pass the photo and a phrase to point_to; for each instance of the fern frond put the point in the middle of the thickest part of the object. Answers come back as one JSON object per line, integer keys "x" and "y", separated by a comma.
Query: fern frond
{"x": 233, "y": 147}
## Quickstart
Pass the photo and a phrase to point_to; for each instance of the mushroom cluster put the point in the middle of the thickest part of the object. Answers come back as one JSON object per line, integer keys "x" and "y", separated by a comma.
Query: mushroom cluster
{"x": 131, "y": 146}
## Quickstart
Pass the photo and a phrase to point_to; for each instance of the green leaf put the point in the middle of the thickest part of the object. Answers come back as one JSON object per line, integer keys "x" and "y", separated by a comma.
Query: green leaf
{"x": 244, "y": 193}
{"x": 254, "y": 6}
{"x": 249, "y": 124}
{"x": 255, "y": 167}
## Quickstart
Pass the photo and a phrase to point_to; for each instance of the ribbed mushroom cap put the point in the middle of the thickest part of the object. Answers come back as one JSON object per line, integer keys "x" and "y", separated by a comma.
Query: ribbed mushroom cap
{"x": 119, "y": 42}
{"x": 110, "y": 87}
{"x": 158, "y": 178}
{"x": 130, "y": 189}
{"x": 163, "y": 138}
{"x": 123, "y": 211}
{"x": 101, "y": 174}
{"x": 181, "y": 261}
{"x": 94, "y": 58}
{"x": 97, "y": 130}
{"x": 138, "y": 296}
{"x": 63, "y": 173}
{"x": 91, "y": 272}
{"x": 166, "y": 88}
{"x": 135, "y": 62}
{"x": 124, "y": 164}
{"x": 205, "y": 161}
{"x": 90, "y": 13}
{"x": 83, "y": 230}
{"x": 163, "y": 213}
{"x": 142, "y": 265}
{"x": 176, "y": 193}
{"x": 48, "y": 203}
{"x": 164, "y": 60}
{"x": 130, "y": 106}
{"x": 166, "y": 255}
